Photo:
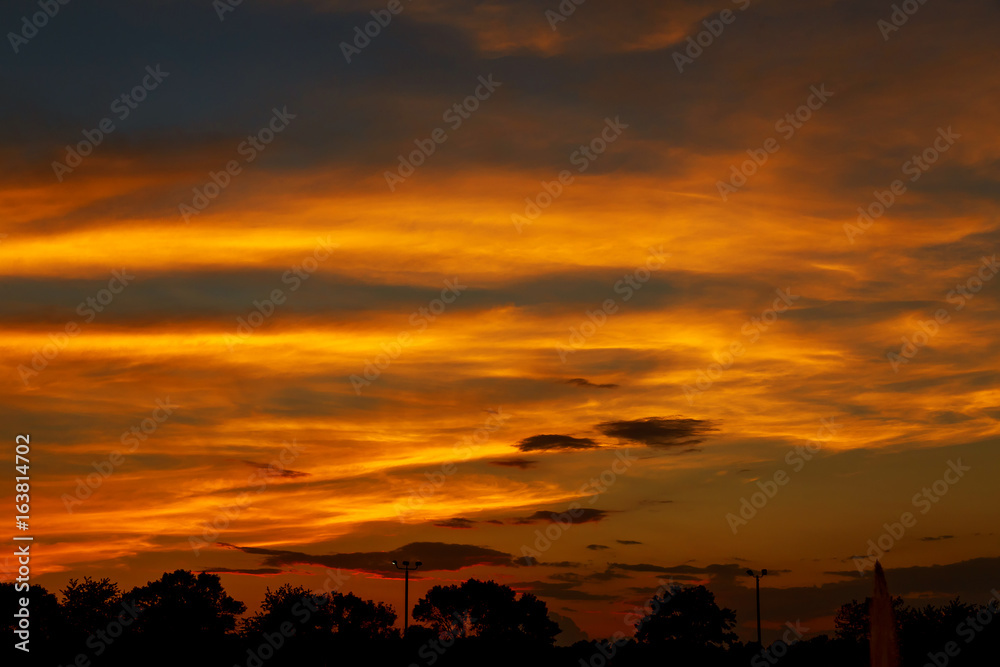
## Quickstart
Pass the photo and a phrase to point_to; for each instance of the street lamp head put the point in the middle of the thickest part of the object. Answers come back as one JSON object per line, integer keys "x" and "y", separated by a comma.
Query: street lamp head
{"x": 406, "y": 563}
{"x": 763, "y": 572}
{"x": 418, "y": 564}
{"x": 393, "y": 562}
{"x": 750, "y": 572}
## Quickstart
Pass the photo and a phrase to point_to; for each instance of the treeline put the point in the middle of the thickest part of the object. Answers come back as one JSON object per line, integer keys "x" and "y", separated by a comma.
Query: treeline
{"x": 188, "y": 619}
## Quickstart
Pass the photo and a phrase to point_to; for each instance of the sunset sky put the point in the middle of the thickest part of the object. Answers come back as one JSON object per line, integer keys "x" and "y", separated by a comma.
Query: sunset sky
{"x": 589, "y": 295}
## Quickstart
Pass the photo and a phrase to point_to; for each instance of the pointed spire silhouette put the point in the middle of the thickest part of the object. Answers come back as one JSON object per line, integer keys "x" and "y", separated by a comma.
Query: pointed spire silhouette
{"x": 884, "y": 643}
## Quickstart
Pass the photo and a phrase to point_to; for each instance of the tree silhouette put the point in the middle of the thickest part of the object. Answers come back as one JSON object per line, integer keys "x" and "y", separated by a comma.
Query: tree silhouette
{"x": 921, "y": 630}
{"x": 355, "y": 619}
{"x": 181, "y": 604}
{"x": 306, "y": 625}
{"x": 853, "y": 621}
{"x": 486, "y": 610}
{"x": 688, "y": 617}
{"x": 297, "y": 605}
{"x": 928, "y": 622}
{"x": 187, "y": 619}
{"x": 343, "y": 616}
{"x": 90, "y": 605}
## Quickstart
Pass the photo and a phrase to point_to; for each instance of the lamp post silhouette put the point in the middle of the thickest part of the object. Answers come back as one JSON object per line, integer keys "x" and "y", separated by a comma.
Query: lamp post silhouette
{"x": 406, "y": 590}
{"x": 763, "y": 573}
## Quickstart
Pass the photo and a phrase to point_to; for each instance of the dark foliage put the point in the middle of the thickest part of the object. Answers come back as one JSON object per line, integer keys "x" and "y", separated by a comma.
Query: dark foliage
{"x": 188, "y": 620}
{"x": 486, "y": 610}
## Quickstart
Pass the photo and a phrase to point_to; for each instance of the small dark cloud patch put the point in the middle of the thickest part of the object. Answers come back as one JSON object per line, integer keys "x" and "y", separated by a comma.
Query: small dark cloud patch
{"x": 719, "y": 573}
{"x": 532, "y": 561}
{"x": 582, "y": 515}
{"x": 522, "y": 464}
{"x": 949, "y": 417}
{"x": 597, "y": 547}
{"x": 937, "y": 538}
{"x": 558, "y": 591}
{"x": 628, "y": 542}
{"x": 583, "y": 382}
{"x": 659, "y": 432}
{"x": 548, "y": 442}
{"x": 457, "y": 522}
{"x": 495, "y": 521}
{"x": 261, "y": 571}
{"x": 272, "y": 471}
{"x": 437, "y": 556}
{"x": 577, "y": 578}
{"x": 607, "y": 575}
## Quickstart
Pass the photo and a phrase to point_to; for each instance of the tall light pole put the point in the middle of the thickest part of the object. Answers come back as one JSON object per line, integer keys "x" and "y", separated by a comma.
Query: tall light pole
{"x": 406, "y": 590}
{"x": 763, "y": 573}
